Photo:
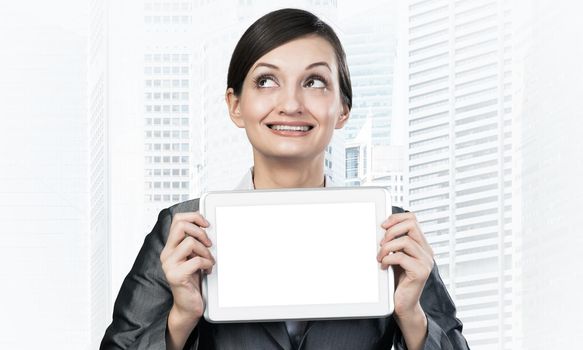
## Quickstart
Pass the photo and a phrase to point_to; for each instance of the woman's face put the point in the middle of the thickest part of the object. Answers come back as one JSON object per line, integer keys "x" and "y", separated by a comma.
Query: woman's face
{"x": 290, "y": 102}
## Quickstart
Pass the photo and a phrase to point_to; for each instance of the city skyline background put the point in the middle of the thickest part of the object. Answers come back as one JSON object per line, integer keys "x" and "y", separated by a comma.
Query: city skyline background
{"x": 468, "y": 111}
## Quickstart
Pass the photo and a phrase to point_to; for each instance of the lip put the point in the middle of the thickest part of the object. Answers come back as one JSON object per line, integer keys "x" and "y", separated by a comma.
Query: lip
{"x": 292, "y": 123}
{"x": 289, "y": 132}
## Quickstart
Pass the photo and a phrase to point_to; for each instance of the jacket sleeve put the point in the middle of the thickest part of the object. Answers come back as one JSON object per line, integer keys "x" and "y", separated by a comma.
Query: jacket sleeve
{"x": 444, "y": 330}
{"x": 141, "y": 308}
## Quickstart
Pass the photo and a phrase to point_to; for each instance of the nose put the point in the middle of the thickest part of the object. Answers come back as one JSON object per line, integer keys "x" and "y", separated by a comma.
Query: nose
{"x": 291, "y": 102}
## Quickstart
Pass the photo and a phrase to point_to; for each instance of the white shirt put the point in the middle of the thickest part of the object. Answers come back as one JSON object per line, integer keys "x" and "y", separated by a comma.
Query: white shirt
{"x": 247, "y": 181}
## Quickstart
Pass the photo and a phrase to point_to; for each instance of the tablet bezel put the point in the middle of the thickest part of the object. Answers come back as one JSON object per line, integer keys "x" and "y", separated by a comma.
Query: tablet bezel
{"x": 213, "y": 313}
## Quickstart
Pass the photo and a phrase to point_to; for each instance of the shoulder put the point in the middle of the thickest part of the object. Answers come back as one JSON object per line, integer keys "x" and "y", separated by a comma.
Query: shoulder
{"x": 160, "y": 232}
{"x": 397, "y": 210}
{"x": 183, "y": 207}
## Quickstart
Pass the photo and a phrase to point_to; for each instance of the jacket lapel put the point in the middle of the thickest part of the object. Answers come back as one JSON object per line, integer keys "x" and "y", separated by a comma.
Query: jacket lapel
{"x": 308, "y": 328}
{"x": 278, "y": 332}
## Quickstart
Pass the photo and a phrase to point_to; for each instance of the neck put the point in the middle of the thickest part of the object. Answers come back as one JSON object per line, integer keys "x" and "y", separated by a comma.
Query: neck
{"x": 277, "y": 173}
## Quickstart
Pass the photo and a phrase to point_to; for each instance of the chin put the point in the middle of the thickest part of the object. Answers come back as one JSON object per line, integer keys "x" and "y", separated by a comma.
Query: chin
{"x": 292, "y": 155}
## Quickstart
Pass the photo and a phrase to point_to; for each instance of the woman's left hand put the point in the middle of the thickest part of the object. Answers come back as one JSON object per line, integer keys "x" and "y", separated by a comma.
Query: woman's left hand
{"x": 406, "y": 249}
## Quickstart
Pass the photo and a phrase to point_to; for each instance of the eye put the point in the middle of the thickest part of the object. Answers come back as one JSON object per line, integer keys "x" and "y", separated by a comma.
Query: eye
{"x": 265, "y": 81}
{"x": 316, "y": 82}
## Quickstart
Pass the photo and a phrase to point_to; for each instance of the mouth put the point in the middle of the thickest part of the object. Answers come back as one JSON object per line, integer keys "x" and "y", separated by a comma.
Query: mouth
{"x": 290, "y": 129}
{"x": 286, "y": 127}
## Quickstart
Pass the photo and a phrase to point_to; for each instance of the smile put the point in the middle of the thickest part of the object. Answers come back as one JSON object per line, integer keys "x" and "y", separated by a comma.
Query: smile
{"x": 291, "y": 127}
{"x": 290, "y": 130}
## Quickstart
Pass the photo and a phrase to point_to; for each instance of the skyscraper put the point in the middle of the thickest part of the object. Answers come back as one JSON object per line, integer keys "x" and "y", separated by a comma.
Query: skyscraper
{"x": 369, "y": 38}
{"x": 116, "y": 136}
{"x": 460, "y": 155}
{"x": 99, "y": 229}
{"x": 168, "y": 58}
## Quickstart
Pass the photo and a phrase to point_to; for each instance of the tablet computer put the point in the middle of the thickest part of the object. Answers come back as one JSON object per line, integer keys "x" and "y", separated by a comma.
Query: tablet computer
{"x": 296, "y": 254}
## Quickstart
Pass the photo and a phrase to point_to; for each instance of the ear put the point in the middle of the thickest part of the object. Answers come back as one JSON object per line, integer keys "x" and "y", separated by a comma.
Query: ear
{"x": 343, "y": 117}
{"x": 234, "y": 108}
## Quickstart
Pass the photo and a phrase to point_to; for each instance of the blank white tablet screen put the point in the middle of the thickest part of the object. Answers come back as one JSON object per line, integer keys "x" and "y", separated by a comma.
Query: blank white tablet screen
{"x": 298, "y": 254}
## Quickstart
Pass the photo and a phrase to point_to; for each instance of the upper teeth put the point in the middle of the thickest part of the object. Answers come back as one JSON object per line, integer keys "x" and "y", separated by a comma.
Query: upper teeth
{"x": 291, "y": 127}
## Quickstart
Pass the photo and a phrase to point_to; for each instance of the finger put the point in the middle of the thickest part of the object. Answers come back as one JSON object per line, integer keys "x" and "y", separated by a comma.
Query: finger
{"x": 396, "y": 231}
{"x": 396, "y": 218}
{"x": 178, "y": 232}
{"x": 413, "y": 268}
{"x": 187, "y": 268}
{"x": 405, "y": 244}
{"x": 409, "y": 227}
{"x": 195, "y": 264}
{"x": 192, "y": 216}
{"x": 189, "y": 247}
{"x": 401, "y": 259}
{"x": 181, "y": 225}
{"x": 196, "y": 232}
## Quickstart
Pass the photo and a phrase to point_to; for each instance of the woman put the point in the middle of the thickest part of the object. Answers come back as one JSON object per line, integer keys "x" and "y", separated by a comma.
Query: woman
{"x": 289, "y": 87}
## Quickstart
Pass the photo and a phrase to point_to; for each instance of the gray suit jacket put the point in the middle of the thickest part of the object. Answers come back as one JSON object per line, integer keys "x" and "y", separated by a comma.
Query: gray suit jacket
{"x": 144, "y": 301}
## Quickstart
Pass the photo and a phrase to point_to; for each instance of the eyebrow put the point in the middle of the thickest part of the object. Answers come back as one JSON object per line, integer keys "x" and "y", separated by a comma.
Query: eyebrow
{"x": 272, "y": 66}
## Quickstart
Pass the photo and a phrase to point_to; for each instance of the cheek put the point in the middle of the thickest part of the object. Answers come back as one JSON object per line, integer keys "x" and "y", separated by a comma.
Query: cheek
{"x": 256, "y": 107}
{"x": 325, "y": 108}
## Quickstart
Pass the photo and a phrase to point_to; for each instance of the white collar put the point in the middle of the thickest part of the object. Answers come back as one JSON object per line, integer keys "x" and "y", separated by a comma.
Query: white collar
{"x": 247, "y": 181}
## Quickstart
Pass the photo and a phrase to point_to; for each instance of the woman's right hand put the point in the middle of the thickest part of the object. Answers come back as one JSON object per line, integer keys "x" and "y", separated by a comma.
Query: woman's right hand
{"x": 183, "y": 258}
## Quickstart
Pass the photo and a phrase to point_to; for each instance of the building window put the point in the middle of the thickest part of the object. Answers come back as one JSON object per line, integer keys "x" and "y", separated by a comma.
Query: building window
{"x": 352, "y": 154}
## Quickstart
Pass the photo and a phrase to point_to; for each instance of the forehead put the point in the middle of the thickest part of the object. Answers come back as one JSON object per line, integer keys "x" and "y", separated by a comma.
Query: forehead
{"x": 300, "y": 53}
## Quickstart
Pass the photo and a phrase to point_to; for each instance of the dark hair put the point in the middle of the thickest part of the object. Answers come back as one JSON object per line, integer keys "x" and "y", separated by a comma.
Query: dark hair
{"x": 275, "y": 29}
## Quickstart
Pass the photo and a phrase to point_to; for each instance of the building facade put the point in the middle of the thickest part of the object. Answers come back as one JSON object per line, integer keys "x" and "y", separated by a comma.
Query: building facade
{"x": 460, "y": 155}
